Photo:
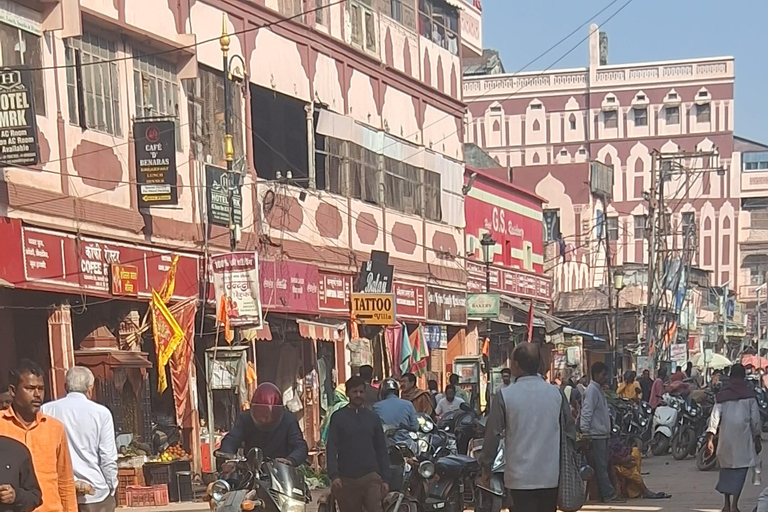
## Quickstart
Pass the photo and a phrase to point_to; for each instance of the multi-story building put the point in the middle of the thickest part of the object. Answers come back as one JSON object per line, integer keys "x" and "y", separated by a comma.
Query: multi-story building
{"x": 347, "y": 122}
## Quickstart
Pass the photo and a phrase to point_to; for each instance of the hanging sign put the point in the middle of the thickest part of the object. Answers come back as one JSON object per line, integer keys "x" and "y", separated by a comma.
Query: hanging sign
{"x": 156, "y": 163}
{"x": 236, "y": 277}
{"x": 125, "y": 280}
{"x": 483, "y": 305}
{"x": 18, "y": 123}
{"x": 376, "y": 274}
{"x": 374, "y": 308}
{"x": 217, "y": 181}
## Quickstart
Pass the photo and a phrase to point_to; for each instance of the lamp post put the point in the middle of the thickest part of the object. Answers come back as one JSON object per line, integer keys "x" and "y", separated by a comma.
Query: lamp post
{"x": 487, "y": 243}
{"x": 759, "y": 337}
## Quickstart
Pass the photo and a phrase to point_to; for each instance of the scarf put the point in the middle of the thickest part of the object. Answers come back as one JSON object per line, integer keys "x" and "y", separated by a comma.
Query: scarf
{"x": 413, "y": 394}
{"x": 733, "y": 390}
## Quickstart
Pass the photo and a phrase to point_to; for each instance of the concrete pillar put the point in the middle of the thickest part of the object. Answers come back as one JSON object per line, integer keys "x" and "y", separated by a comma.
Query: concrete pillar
{"x": 61, "y": 346}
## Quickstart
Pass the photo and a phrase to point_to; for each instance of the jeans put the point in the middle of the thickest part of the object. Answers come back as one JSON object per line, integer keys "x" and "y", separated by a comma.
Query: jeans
{"x": 359, "y": 494}
{"x": 600, "y": 454}
{"x": 108, "y": 505}
{"x": 536, "y": 500}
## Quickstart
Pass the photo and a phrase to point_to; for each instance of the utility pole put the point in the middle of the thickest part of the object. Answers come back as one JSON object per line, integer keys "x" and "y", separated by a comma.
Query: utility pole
{"x": 650, "y": 317}
{"x": 229, "y": 147}
{"x": 612, "y": 302}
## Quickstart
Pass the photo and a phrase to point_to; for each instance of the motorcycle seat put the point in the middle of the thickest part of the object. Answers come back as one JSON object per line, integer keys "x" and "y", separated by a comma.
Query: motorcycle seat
{"x": 453, "y": 465}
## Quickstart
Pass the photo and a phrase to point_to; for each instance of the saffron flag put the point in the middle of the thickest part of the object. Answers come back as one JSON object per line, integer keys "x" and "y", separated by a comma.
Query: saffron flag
{"x": 168, "y": 335}
{"x": 486, "y": 350}
{"x": 169, "y": 283}
{"x": 405, "y": 352}
{"x": 420, "y": 354}
{"x": 223, "y": 317}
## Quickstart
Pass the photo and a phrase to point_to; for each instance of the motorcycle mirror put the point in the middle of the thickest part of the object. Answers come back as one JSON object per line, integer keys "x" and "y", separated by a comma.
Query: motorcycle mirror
{"x": 255, "y": 459}
{"x": 464, "y": 406}
{"x": 224, "y": 455}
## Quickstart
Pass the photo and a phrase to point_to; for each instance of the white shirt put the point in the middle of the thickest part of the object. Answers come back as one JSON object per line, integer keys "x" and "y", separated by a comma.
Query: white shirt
{"x": 91, "y": 437}
{"x": 739, "y": 424}
{"x": 444, "y": 406}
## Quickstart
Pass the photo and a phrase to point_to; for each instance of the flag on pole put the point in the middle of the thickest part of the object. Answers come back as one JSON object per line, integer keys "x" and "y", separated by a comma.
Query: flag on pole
{"x": 405, "y": 352}
{"x": 530, "y": 322}
{"x": 168, "y": 335}
{"x": 420, "y": 354}
{"x": 169, "y": 283}
{"x": 223, "y": 318}
{"x": 486, "y": 350}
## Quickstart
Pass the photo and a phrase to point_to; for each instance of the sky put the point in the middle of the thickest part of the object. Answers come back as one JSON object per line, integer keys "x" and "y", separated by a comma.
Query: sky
{"x": 645, "y": 30}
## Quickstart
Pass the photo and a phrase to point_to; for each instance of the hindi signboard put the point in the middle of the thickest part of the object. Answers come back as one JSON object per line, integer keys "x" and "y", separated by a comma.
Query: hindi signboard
{"x": 236, "y": 277}
{"x": 18, "y": 123}
{"x": 125, "y": 280}
{"x": 156, "y": 176}
{"x": 217, "y": 190}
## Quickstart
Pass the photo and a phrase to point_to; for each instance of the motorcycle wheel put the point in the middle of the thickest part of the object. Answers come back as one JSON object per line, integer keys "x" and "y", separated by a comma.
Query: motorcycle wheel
{"x": 405, "y": 506}
{"x": 704, "y": 463}
{"x": 659, "y": 444}
{"x": 681, "y": 444}
{"x": 489, "y": 502}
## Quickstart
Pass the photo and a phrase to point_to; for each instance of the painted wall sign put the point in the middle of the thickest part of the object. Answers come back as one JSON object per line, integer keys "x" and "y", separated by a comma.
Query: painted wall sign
{"x": 411, "y": 301}
{"x": 156, "y": 175}
{"x": 509, "y": 282}
{"x": 18, "y": 122}
{"x": 289, "y": 286}
{"x": 334, "y": 292}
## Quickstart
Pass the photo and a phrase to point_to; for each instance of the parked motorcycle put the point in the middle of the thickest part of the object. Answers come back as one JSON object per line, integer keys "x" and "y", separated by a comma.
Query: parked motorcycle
{"x": 690, "y": 421}
{"x": 665, "y": 423}
{"x": 452, "y": 487}
{"x": 260, "y": 485}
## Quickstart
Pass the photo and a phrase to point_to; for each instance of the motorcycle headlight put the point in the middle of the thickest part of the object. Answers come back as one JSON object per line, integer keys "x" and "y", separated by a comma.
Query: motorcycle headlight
{"x": 426, "y": 470}
{"x": 413, "y": 435}
{"x": 423, "y": 446}
{"x": 643, "y": 422}
{"x": 219, "y": 488}
{"x": 288, "y": 504}
{"x": 647, "y": 409}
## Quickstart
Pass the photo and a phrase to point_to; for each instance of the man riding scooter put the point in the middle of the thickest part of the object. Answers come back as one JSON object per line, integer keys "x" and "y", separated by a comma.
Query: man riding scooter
{"x": 268, "y": 426}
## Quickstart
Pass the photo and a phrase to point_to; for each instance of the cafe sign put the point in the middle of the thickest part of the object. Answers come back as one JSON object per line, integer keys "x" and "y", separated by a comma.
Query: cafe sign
{"x": 156, "y": 163}
{"x": 373, "y": 308}
{"x": 483, "y": 305}
{"x": 18, "y": 123}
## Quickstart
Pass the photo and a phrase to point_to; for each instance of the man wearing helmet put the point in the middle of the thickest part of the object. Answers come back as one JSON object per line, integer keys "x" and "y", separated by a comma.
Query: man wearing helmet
{"x": 393, "y": 410}
{"x": 269, "y": 427}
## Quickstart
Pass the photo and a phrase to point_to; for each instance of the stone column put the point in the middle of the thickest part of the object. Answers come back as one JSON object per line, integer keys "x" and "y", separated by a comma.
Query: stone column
{"x": 61, "y": 346}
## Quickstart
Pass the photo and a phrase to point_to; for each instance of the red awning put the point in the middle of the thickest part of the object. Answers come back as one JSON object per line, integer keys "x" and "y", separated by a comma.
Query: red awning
{"x": 263, "y": 333}
{"x": 321, "y": 331}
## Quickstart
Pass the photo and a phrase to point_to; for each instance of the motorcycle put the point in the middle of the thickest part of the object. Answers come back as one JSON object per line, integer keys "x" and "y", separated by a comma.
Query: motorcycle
{"x": 493, "y": 497}
{"x": 452, "y": 485}
{"x": 259, "y": 484}
{"x": 690, "y": 421}
{"x": 665, "y": 423}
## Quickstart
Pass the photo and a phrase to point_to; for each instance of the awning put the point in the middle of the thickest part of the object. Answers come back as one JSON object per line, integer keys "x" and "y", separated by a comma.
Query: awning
{"x": 263, "y": 333}
{"x": 540, "y": 319}
{"x": 568, "y": 330}
{"x": 321, "y": 331}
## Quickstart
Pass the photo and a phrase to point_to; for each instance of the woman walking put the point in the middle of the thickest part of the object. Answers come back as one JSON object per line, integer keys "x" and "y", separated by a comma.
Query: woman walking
{"x": 738, "y": 419}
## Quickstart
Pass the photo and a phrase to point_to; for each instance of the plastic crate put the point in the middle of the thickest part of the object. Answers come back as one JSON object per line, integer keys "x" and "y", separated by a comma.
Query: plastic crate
{"x": 164, "y": 473}
{"x": 153, "y": 496}
{"x": 128, "y": 477}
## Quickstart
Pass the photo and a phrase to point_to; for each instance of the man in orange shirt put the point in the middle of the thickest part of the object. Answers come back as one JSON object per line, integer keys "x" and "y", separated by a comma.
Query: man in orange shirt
{"x": 44, "y": 436}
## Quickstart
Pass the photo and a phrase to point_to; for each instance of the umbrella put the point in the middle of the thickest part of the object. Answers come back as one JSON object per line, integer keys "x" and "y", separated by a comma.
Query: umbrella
{"x": 717, "y": 362}
{"x": 754, "y": 361}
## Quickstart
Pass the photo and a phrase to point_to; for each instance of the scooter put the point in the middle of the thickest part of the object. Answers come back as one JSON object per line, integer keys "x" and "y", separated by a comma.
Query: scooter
{"x": 665, "y": 423}
{"x": 493, "y": 497}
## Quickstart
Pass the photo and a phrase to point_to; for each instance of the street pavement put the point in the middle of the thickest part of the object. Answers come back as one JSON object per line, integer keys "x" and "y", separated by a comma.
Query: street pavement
{"x": 691, "y": 490}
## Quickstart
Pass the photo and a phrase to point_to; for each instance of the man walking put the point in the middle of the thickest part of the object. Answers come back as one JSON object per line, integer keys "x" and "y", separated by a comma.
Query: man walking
{"x": 420, "y": 399}
{"x": 358, "y": 462}
{"x": 596, "y": 424}
{"x": 44, "y": 437}
{"x": 371, "y": 393}
{"x": 19, "y": 490}
{"x": 453, "y": 380}
{"x": 646, "y": 383}
{"x": 91, "y": 437}
{"x": 448, "y": 403}
{"x": 527, "y": 417}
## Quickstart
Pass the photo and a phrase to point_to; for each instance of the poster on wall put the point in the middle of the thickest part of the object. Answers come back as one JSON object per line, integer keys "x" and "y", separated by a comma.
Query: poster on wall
{"x": 18, "y": 122}
{"x": 236, "y": 278}
{"x": 156, "y": 163}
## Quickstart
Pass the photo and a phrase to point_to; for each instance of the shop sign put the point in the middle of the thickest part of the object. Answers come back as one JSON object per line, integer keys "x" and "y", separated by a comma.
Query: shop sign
{"x": 411, "y": 301}
{"x": 156, "y": 163}
{"x": 289, "y": 286}
{"x": 333, "y": 292}
{"x": 18, "y": 122}
{"x": 125, "y": 280}
{"x": 217, "y": 183}
{"x": 511, "y": 282}
{"x": 376, "y": 274}
{"x": 374, "y": 308}
{"x": 236, "y": 279}
{"x": 483, "y": 305}
{"x": 436, "y": 336}
{"x": 446, "y": 306}
{"x": 66, "y": 263}
{"x": 678, "y": 352}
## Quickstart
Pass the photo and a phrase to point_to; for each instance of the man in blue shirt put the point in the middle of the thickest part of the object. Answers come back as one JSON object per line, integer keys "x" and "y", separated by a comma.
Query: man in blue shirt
{"x": 393, "y": 410}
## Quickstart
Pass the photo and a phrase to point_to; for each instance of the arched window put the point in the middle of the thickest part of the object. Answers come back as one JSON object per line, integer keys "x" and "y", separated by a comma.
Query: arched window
{"x": 572, "y": 121}
{"x": 536, "y": 125}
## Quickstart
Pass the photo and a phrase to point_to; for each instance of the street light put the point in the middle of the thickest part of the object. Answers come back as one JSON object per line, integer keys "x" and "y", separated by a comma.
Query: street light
{"x": 487, "y": 242}
{"x": 759, "y": 337}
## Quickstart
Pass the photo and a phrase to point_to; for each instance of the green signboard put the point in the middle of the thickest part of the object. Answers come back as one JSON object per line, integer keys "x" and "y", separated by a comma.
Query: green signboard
{"x": 483, "y": 305}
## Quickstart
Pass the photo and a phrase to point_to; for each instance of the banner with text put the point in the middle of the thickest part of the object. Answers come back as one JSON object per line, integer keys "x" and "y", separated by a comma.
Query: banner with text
{"x": 236, "y": 277}
{"x": 156, "y": 163}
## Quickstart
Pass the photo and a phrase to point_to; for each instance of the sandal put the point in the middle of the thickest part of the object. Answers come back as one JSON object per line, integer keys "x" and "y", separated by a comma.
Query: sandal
{"x": 658, "y": 496}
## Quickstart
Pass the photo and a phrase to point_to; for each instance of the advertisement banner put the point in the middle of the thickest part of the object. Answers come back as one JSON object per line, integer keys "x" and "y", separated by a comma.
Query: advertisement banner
{"x": 516, "y": 283}
{"x": 18, "y": 122}
{"x": 156, "y": 175}
{"x": 436, "y": 336}
{"x": 236, "y": 277}
{"x": 376, "y": 274}
{"x": 334, "y": 292}
{"x": 217, "y": 189}
{"x": 483, "y": 305}
{"x": 288, "y": 286}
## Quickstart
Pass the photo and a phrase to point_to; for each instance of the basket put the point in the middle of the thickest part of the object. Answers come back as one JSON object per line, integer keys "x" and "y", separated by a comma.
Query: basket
{"x": 154, "y": 496}
{"x": 159, "y": 473}
{"x": 126, "y": 477}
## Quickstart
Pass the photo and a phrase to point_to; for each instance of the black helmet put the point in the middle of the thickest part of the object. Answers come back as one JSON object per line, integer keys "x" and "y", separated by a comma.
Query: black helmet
{"x": 389, "y": 387}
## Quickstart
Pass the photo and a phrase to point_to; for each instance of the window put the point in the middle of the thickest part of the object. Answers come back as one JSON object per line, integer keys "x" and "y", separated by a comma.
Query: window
{"x": 611, "y": 118}
{"x": 572, "y": 122}
{"x": 689, "y": 223}
{"x": 363, "y": 24}
{"x": 641, "y": 116}
{"x": 21, "y": 48}
{"x": 551, "y": 225}
{"x": 320, "y": 15}
{"x": 292, "y": 9}
{"x": 206, "y": 116}
{"x": 672, "y": 115}
{"x": 756, "y": 161}
{"x": 536, "y": 106}
{"x": 703, "y": 113}
{"x": 433, "y": 208}
{"x": 439, "y": 22}
{"x": 402, "y": 186}
{"x": 156, "y": 88}
{"x": 640, "y": 226}
{"x": 758, "y": 267}
{"x": 612, "y": 227}
{"x": 528, "y": 255}
{"x": 93, "y": 83}
{"x": 363, "y": 173}
{"x": 399, "y": 10}
{"x": 329, "y": 164}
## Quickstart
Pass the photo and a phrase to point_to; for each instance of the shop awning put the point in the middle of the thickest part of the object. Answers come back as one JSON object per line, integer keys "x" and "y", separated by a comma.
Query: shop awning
{"x": 263, "y": 333}
{"x": 321, "y": 331}
{"x": 541, "y": 319}
{"x": 568, "y": 330}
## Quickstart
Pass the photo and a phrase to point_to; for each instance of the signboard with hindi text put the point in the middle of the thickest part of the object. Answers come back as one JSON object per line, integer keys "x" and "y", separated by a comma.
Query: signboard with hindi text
{"x": 18, "y": 122}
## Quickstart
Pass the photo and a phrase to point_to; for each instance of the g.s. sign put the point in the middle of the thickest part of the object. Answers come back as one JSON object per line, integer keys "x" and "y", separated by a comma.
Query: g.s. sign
{"x": 499, "y": 224}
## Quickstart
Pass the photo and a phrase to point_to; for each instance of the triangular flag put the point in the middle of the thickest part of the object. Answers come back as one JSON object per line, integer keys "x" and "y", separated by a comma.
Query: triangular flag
{"x": 405, "y": 353}
{"x": 420, "y": 354}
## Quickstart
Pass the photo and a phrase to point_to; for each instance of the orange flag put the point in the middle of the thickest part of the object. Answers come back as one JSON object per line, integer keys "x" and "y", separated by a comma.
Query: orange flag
{"x": 169, "y": 283}
{"x": 223, "y": 318}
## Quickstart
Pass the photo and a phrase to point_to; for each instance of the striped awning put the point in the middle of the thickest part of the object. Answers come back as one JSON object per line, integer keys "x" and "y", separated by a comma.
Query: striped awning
{"x": 321, "y": 331}
{"x": 263, "y": 333}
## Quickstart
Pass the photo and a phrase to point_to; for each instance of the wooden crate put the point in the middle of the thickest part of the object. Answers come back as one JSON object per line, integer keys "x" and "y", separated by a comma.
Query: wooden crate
{"x": 127, "y": 477}
{"x": 154, "y": 496}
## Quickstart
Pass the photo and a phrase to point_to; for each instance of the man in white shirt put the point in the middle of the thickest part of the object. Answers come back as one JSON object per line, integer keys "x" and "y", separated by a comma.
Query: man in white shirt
{"x": 450, "y": 402}
{"x": 528, "y": 418}
{"x": 91, "y": 436}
